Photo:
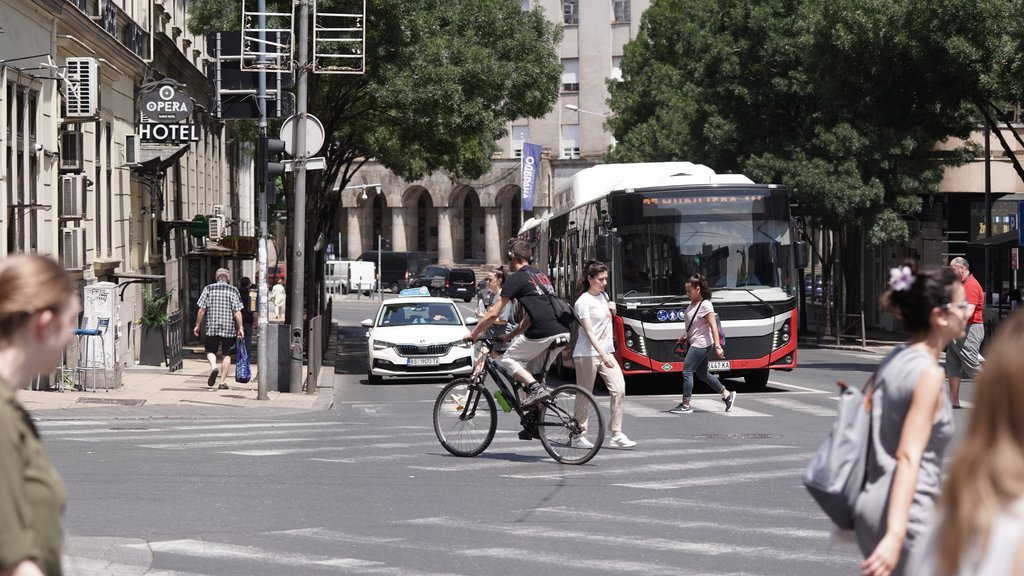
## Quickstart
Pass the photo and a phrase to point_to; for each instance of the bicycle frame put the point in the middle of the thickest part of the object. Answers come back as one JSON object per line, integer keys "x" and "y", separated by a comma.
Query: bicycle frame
{"x": 502, "y": 379}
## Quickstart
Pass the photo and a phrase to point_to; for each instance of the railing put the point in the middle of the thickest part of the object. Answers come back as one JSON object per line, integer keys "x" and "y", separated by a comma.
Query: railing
{"x": 175, "y": 341}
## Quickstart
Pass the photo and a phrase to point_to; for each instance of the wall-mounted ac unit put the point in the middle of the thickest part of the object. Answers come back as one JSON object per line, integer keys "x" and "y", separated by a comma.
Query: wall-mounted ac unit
{"x": 71, "y": 151}
{"x": 72, "y": 196}
{"x": 218, "y": 210}
{"x": 131, "y": 149}
{"x": 216, "y": 227}
{"x": 83, "y": 101}
{"x": 72, "y": 248}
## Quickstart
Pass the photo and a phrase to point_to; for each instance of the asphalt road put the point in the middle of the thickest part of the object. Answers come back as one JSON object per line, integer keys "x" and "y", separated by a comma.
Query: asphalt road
{"x": 365, "y": 488}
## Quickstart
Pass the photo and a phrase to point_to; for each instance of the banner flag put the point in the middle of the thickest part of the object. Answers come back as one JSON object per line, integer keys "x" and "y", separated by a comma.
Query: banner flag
{"x": 530, "y": 166}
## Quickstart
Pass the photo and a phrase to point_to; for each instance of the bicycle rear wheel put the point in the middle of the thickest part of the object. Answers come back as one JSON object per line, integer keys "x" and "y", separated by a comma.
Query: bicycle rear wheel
{"x": 571, "y": 426}
{"x": 465, "y": 417}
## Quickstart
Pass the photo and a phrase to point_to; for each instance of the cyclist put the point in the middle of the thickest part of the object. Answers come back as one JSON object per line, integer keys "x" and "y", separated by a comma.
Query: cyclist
{"x": 525, "y": 355}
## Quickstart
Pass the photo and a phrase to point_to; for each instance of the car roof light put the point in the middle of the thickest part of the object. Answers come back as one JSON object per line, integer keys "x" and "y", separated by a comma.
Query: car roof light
{"x": 411, "y": 292}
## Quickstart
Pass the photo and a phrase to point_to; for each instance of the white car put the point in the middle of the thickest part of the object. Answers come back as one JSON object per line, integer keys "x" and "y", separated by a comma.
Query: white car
{"x": 416, "y": 336}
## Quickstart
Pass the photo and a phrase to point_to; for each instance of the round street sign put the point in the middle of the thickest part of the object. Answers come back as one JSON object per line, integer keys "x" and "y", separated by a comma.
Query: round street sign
{"x": 314, "y": 140}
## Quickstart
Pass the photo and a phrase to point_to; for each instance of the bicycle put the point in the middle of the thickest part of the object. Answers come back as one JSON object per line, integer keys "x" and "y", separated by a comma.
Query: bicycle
{"x": 569, "y": 424}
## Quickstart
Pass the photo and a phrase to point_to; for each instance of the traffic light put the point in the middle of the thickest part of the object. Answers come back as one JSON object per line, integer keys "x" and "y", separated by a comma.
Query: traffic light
{"x": 269, "y": 166}
{"x": 274, "y": 150}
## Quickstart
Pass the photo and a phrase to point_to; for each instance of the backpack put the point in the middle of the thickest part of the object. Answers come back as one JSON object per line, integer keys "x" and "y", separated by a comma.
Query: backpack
{"x": 836, "y": 474}
{"x": 563, "y": 311}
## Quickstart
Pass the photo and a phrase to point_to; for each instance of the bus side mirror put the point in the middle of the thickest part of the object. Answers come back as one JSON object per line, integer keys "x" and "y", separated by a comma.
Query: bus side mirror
{"x": 801, "y": 254}
{"x": 605, "y": 246}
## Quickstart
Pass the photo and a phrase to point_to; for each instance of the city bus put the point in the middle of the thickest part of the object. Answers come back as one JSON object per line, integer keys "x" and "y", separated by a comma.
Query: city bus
{"x": 655, "y": 225}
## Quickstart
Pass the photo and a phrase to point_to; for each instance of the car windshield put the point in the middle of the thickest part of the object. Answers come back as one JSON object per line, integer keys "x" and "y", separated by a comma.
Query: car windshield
{"x": 736, "y": 240}
{"x": 435, "y": 271}
{"x": 414, "y": 313}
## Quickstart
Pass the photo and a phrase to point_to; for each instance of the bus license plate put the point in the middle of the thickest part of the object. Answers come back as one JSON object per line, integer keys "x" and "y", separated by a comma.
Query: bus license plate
{"x": 718, "y": 366}
{"x": 423, "y": 361}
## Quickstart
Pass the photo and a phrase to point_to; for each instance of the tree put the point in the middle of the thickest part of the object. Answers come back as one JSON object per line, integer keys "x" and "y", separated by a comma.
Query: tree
{"x": 443, "y": 79}
{"x": 842, "y": 100}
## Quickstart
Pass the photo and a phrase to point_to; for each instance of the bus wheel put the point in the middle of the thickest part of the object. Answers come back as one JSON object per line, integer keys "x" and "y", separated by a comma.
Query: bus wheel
{"x": 757, "y": 379}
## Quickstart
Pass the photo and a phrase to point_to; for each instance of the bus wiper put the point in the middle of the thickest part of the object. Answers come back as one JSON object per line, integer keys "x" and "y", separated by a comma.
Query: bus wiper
{"x": 748, "y": 291}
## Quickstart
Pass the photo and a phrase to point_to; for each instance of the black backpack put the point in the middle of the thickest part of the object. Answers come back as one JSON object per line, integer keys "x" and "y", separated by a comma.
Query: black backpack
{"x": 563, "y": 311}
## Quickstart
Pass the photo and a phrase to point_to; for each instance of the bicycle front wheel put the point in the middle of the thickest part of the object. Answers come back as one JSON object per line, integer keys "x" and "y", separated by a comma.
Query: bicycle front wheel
{"x": 571, "y": 426}
{"x": 465, "y": 417}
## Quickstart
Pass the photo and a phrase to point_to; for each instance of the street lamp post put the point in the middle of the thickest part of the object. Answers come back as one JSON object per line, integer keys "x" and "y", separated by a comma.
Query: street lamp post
{"x": 576, "y": 108}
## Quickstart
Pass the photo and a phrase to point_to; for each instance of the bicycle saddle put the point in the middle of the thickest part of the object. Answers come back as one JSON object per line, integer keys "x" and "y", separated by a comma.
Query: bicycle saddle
{"x": 558, "y": 342}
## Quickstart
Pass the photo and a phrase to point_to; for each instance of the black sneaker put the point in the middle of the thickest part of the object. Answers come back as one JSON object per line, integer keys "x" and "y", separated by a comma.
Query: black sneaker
{"x": 730, "y": 400}
{"x": 535, "y": 393}
{"x": 682, "y": 408}
{"x": 222, "y": 386}
{"x": 213, "y": 378}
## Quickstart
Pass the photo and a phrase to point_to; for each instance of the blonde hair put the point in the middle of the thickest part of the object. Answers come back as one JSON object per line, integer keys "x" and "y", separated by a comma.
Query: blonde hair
{"x": 30, "y": 283}
{"x": 988, "y": 471}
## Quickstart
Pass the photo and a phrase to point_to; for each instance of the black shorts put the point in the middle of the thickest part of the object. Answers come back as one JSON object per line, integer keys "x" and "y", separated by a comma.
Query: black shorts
{"x": 214, "y": 343}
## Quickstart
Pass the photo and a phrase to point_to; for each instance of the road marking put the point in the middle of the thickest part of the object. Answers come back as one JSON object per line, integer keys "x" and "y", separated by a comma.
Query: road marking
{"x": 638, "y": 410}
{"x": 795, "y": 387}
{"x": 774, "y": 530}
{"x": 798, "y": 406}
{"x": 691, "y": 465}
{"x": 216, "y": 550}
{"x": 564, "y": 533}
{"x": 718, "y": 507}
{"x": 164, "y": 429}
{"x": 718, "y": 407}
{"x": 561, "y": 561}
{"x": 722, "y": 480}
{"x": 222, "y": 443}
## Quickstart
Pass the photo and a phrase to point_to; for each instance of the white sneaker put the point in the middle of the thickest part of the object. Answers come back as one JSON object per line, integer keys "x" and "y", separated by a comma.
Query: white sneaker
{"x": 581, "y": 442}
{"x": 621, "y": 441}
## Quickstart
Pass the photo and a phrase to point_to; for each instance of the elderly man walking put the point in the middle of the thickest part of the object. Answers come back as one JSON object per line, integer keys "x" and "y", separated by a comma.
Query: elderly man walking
{"x": 221, "y": 305}
{"x": 963, "y": 355}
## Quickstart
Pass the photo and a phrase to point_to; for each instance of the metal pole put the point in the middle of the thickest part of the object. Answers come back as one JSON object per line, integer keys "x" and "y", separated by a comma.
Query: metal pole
{"x": 298, "y": 242}
{"x": 380, "y": 272}
{"x": 261, "y": 199}
{"x": 988, "y": 211}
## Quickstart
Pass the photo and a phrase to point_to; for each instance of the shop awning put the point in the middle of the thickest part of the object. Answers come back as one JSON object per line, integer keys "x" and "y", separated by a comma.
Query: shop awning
{"x": 1008, "y": 239}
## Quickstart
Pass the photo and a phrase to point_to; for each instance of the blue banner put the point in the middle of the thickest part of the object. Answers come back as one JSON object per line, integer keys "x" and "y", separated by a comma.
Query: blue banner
{"x": 530, "y": 170}
{"x": 1020, "y": 222}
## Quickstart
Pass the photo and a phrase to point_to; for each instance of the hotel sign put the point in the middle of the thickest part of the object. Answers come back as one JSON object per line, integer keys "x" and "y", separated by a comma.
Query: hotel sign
{"x": 163, "y": 110}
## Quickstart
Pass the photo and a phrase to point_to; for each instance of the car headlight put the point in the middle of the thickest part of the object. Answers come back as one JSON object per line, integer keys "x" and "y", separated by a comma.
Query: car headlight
{"x": 382, "y": 345}
{"x": 463, "y": 344}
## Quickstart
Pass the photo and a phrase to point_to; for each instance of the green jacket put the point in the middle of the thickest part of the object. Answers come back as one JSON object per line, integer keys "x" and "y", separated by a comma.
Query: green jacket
{"x": 31, "y": 493}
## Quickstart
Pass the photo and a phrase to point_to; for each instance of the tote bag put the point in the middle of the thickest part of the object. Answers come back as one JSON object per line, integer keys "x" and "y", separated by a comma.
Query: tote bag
{"x": 243, "y": 373}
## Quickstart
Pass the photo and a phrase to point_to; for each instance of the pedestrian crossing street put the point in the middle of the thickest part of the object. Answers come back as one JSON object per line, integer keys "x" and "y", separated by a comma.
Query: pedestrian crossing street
{"x": 663, "y": 486}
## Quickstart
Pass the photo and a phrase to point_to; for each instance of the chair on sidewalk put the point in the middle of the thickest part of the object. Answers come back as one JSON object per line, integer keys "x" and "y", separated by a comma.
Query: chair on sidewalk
{"x": 86, "y": 362}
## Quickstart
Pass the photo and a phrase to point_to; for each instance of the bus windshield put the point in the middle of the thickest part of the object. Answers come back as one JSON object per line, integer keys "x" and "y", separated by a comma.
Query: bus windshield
{"x": 738, "y": 239}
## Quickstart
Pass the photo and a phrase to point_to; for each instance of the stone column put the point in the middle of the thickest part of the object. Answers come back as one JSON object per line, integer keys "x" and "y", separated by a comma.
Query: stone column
{"x": 355, "y": 236}
{"x": 398, "y": 243}
{"x": 492, "y": 237}
{"x": 444, "y": 236}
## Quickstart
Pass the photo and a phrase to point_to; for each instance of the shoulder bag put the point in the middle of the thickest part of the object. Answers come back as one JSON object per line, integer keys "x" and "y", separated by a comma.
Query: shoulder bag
{"x": 683, "y": 343}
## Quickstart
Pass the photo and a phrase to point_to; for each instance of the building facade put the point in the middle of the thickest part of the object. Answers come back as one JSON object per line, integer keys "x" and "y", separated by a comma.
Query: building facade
{"x": 468, "y": 221}
{"x": 80, "y": 182}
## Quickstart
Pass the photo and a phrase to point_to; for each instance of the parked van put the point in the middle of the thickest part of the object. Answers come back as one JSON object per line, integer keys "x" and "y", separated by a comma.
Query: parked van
{"x": 397, "y": 268}
{"x": 344, "y": 276}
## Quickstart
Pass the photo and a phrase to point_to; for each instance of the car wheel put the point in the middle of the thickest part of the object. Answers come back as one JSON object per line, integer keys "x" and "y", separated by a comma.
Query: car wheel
{"x": 394, "y": 287}
{"x": 373, "y": 380}
{"x": 468, "y": 298}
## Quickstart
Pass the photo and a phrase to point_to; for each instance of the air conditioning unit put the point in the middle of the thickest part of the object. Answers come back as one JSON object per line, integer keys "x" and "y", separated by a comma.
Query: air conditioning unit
{"x": 218, "y": 210}
{"x": 71, "y": 151}
{"x": 216, "y": 227}
{"x": 83, "y": 101}
{"x": 72, "y": 248}
{"x": 72, "y": 196}
{"x": 131, "y": 149}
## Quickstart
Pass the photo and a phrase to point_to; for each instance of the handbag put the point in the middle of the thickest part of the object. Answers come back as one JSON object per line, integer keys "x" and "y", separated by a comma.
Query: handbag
{"x": 683, "y": 343}
{"x": 837, "y": 472}
{"x": 243, "y": 372}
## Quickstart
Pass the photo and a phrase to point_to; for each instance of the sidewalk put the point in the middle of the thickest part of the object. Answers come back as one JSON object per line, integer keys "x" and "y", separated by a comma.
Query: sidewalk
{"x": 155, "y": 386}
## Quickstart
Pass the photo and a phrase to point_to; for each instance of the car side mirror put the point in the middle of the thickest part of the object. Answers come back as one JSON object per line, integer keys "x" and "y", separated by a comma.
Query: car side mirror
{"x": 367, "y": 323}
{"x": 605, "y": 246}
{"x": 471, "y": 321}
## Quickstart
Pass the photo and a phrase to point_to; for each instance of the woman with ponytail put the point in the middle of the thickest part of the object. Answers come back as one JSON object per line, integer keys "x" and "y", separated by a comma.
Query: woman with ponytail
{"x": 593, "y": 354}
{"x": 701, "y": 338}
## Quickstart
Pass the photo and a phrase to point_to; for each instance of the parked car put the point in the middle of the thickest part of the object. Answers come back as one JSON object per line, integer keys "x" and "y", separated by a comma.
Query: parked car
{"x": 461, "y": 283}
{"x": 417, "y": 336}
{"x": 433, "y": 278}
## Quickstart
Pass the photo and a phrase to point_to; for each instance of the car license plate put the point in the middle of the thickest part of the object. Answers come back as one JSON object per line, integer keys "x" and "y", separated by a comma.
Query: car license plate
{"x": 460, "y": 290}
{"x": 718, "y": 366}
{"x": 423, "y": 361}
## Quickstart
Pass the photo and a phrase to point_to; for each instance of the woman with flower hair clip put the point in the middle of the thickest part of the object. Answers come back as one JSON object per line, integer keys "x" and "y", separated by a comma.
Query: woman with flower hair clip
{"x": 911, "y": 418}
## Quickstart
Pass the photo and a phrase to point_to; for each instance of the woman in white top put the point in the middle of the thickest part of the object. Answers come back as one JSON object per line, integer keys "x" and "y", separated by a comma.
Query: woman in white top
{"x": 594, "y": 349}
{"x": 701, "y": 333}
{"x": 980, "y": 523}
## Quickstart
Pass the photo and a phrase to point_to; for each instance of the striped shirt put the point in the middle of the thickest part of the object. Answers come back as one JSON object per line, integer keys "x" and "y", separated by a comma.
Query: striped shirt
{"x": 221, "y": 301}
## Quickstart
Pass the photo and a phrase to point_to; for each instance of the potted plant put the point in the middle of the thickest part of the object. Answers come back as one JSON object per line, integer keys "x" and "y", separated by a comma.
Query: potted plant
{"x": 153, "y": 321}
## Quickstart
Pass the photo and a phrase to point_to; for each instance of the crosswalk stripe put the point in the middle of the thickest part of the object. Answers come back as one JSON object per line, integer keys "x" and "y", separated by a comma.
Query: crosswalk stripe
{"x": 219, "y": 551}
{"x": 638, "y": 410}
{"x": 690, "y": 464}
{"x": 723, "y": 479}
{"x": 193, "y": 428}
{"x": 798, "y": 406}
{"x": 687, "y": 503}
{"x": 716, "y": 406}
{"x": 563, "y": 560}
{"x": 248, "y": 434}
{"x": 565, "y": 533}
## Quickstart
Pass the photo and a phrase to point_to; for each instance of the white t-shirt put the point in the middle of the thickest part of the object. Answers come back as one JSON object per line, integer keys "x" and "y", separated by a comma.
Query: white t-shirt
{"x": 596, "y": 309}
{"x": 700, "y": 332}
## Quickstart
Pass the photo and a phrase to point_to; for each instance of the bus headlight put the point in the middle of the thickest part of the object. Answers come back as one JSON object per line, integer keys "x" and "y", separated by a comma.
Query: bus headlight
{"x": 634, "y": 341}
